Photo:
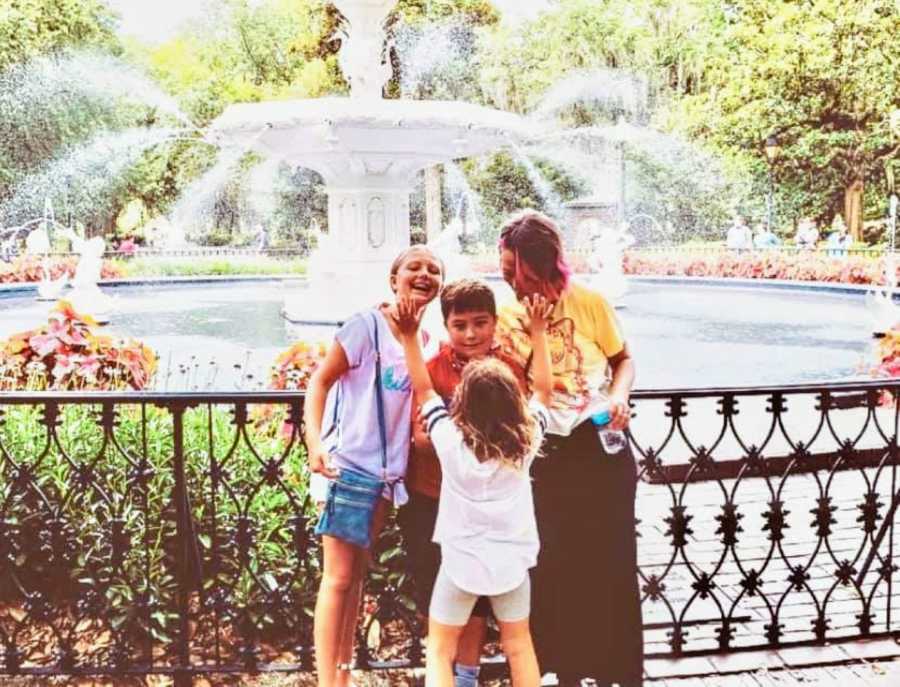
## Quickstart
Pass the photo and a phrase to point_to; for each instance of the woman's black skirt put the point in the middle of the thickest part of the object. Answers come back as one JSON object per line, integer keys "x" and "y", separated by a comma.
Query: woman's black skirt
{"x": 586, "y": 613}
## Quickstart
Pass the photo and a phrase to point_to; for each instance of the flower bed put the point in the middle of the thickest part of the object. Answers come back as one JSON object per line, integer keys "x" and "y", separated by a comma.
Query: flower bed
{"x": 194, "y": 266}
{"x": 294, "y": 367}
{"x": 887, "y": 354}
{"x": 806, "y": 266}
{"x": 31, "y": 268}
{"x": 68, "y": 354}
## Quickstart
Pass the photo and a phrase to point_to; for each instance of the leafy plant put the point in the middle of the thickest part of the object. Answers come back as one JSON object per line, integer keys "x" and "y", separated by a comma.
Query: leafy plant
{"x": 31, "y": 268}
{"x": 67, "y": 353}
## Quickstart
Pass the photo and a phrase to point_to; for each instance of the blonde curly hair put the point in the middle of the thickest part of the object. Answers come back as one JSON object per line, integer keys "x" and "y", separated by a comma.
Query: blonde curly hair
{"x": 492, "y": 413}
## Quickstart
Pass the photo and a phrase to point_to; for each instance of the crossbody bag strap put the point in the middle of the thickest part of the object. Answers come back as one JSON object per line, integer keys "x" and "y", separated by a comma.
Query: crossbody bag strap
{"x": 378, "y": 399}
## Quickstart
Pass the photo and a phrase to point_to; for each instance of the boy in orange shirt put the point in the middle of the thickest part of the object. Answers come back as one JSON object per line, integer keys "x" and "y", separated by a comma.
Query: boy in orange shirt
{"x": 470, "y": 316}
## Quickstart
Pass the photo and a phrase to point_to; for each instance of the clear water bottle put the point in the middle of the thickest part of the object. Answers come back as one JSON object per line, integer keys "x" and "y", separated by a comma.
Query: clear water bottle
{"x": 613, "y": 440}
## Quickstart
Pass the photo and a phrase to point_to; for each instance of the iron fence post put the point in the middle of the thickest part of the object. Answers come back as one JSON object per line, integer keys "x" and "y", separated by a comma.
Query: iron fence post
{"x": 182, "y": 532}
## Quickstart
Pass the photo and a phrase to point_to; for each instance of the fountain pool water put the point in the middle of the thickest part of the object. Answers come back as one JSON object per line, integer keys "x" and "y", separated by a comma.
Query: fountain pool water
{"x": 681, "y": 335}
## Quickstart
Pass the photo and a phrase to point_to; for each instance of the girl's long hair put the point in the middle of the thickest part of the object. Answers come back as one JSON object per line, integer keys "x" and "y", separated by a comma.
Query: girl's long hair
{"x": 492, "y": 414}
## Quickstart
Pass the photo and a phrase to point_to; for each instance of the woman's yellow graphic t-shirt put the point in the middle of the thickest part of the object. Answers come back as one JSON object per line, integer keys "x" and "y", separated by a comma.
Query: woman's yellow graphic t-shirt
{"x": 583, "y": 334}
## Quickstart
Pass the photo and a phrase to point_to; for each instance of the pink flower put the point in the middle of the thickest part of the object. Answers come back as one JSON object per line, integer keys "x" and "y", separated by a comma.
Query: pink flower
{"x": 65, "y": 364}
{"x": 44, "y": 344}
{"x": 89, "y": 367}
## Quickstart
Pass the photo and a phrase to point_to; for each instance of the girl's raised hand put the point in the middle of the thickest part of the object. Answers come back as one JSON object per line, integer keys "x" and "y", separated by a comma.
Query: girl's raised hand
{"x": 538, "y": 309}
{"x": 408, "y": 316}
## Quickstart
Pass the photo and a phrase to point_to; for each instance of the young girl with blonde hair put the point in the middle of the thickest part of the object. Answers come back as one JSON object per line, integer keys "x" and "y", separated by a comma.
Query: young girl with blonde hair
{"x": 360, "y": 447}
{"x": 485, "y": 441}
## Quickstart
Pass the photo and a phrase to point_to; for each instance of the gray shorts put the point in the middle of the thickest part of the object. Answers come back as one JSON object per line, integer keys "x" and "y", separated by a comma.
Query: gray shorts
{"x": 451, "y": 605}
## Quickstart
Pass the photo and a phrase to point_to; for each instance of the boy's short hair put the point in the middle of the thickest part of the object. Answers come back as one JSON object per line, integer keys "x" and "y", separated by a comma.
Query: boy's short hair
{"x": 467, "y": 295}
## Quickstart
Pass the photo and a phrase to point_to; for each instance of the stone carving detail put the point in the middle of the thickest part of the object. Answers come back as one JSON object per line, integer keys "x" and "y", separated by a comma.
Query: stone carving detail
{"x": 375, "y": 223}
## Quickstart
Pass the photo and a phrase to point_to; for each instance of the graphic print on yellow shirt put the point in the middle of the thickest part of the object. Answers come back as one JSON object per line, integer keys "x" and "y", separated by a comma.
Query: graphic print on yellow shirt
{"x": 582, "y": 335}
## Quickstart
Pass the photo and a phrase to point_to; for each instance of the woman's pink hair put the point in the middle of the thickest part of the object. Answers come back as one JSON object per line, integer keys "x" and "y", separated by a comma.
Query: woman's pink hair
{"x": 536, "y": 242}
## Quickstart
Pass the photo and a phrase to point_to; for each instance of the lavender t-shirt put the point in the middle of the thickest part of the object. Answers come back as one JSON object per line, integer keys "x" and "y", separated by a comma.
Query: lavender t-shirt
{"x": 350, "y": 428}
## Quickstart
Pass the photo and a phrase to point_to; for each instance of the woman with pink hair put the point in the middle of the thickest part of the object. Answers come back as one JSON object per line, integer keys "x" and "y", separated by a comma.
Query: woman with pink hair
{"x": 586, "y": 612}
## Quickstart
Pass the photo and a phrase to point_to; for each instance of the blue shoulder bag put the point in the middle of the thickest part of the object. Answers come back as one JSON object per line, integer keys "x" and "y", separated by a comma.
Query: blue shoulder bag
{"x": 353, "y": 496}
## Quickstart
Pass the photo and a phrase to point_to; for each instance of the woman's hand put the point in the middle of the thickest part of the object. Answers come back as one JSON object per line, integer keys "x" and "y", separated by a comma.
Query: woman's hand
{"x": 619, "y": 412}
{"x": 407, "y": 316}
{"x": 538, "y": 309}
{"x": 320, "y": 462}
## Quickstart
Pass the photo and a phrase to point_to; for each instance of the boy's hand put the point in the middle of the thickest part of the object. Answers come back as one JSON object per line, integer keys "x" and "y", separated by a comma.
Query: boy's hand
{"x": 538, "y": 309}
{"x": 408, "y": 316}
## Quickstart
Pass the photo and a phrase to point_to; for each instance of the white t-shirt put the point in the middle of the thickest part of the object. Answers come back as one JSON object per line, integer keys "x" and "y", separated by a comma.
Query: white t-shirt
{"x": 485, "y": 524}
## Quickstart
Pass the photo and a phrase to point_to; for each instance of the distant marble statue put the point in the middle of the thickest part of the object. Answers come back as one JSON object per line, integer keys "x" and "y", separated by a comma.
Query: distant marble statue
{"x": 608, "y": 246}
{"x": 883, "y": 311}
{"x": 37, "y": 242}
{"x": 86, "y": 296}
{"x": 262, "y": 236}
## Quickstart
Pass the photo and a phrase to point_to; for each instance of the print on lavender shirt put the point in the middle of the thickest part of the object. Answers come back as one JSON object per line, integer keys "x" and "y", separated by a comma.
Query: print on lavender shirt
{"x": 391, "y": 380}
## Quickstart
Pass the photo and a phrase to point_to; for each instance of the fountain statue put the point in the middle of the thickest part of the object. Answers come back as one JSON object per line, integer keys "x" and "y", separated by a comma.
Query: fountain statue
{"x": 86, "y": 296}
{"x": 368, "y": 151}
{"x": 37, "y": 243}
{"x": 608, "y": 246}
{"x": 595, "y": 225}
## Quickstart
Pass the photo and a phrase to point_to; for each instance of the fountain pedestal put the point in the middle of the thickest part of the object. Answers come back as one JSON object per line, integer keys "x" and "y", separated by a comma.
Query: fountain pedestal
{"x": 380, "y": 217}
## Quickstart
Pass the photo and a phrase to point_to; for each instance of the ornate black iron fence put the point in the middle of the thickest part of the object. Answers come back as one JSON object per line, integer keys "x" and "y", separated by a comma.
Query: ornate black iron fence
{"x": 170, "y": 533}
{"x": 769, "y": 516}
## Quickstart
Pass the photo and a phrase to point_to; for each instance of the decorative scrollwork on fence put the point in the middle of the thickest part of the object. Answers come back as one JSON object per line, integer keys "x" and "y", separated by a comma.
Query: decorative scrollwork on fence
{"x": 172, "y": 533}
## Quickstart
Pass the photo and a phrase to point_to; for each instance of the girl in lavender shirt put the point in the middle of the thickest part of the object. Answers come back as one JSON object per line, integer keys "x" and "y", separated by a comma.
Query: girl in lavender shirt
{"x": 350, "y": 439}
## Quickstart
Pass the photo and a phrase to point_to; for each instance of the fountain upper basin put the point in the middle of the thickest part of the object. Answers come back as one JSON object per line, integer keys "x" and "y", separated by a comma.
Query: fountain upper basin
{"x": 353, "y": 140}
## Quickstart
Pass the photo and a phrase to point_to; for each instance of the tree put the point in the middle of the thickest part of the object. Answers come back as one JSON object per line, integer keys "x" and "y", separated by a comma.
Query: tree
{"x": 822, "y": 76}
{"x": 261, "y": 51}
{"x": 594, "y": 62}
{"x": 664, "y": 42}
{"x": 30, "y": 28}
{"x": 50, "y": 50}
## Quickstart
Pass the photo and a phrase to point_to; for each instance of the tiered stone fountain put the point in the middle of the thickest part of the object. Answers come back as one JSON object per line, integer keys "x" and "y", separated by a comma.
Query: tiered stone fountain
{"x": 368, "y": 150}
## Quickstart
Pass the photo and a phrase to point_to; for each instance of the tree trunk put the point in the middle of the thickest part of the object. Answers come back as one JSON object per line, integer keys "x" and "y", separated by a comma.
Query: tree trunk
{"x": 433, "y": 213}
{"x": 853, "y": 208}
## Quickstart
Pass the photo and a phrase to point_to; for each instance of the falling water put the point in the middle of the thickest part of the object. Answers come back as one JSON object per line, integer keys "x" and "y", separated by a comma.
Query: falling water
{"x": 434, "y": 58}
{"x": 84, "y": 175}
{"x": 552, "y": 201}
{"x": 48, "y": 83}
{"x": 467, "y": 204}
{"x": 261, "y": 184}
{"x": 197, "y": 201}
{"x": 611, "y": 89}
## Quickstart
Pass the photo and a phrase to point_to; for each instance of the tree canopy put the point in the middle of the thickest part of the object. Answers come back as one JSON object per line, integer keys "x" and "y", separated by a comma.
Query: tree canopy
{"x": 29, "y": 28}
{"x": 712, "y": 79}
{"x": 823, "y": 78}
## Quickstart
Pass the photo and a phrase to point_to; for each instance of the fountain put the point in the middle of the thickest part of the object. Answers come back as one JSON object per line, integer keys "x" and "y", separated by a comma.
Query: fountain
{"x": 368, "y": 150}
